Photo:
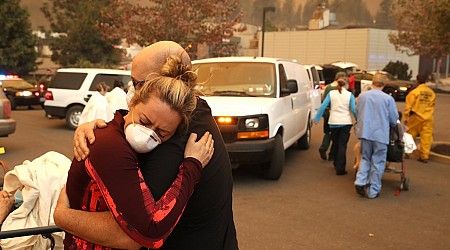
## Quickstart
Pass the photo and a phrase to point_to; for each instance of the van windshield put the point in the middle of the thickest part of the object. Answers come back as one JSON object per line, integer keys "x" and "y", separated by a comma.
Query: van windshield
{"x": 236, "y": 79}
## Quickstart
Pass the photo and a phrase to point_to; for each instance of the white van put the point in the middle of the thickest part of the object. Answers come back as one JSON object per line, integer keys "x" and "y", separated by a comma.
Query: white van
{"x": 71, "y": 89}
{"x": 262, "y": 107}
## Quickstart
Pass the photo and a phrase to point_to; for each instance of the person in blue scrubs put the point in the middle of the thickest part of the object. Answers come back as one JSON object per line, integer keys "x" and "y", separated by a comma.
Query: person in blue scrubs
{"x": 376, "y": 112}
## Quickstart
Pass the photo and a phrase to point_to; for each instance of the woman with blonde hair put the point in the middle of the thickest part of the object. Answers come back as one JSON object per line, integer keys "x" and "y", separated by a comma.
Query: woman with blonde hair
{"x": 110, "y": 178}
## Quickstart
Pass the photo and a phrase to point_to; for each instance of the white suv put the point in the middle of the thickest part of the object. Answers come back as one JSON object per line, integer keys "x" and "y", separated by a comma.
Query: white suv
{"x": 261, "y": 105}
{"x": 71, "y": 88}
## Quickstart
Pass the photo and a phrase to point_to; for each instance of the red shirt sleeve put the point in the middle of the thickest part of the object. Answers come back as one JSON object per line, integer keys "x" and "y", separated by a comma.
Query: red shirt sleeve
{"x": 113, "y": 165}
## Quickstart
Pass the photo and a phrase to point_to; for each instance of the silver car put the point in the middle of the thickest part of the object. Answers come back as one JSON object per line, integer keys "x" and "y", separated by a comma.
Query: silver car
{"x": 7, "y": 124}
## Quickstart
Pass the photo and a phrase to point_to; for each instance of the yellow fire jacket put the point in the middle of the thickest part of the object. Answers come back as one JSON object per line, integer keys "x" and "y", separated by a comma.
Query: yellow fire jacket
{"x": 420, "y": 102}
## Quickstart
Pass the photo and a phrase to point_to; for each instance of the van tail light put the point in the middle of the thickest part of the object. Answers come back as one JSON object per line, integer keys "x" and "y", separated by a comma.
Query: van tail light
{"x": 49, "y": 96}
{"x": 7, "y": 108}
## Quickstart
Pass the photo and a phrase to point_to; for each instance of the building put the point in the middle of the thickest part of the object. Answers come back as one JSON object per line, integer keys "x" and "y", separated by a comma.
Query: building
{"x": 367, "y": 47}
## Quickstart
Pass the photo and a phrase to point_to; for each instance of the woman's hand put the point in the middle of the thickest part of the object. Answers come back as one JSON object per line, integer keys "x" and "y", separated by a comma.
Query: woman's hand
{"x": 201, "y": 150}
{"x": 83, "y": 132}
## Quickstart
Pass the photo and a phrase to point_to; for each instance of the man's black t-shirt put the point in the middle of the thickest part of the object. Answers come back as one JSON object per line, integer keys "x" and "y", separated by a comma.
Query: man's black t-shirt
{"x": 207, "y": 222}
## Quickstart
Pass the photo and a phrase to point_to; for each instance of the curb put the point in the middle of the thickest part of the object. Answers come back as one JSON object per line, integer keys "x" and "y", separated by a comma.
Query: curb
{"x": 444, "y": 159}
{"x": 441, "y": 91}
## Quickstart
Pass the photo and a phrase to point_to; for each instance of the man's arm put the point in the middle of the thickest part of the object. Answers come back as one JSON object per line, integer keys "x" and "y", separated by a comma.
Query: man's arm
{"x": 409, "y": 102}
{"x": 96, "y": 227}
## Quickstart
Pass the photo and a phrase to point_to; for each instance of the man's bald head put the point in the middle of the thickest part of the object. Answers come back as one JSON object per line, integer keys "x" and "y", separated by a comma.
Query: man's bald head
{"x": 152, "y": 58}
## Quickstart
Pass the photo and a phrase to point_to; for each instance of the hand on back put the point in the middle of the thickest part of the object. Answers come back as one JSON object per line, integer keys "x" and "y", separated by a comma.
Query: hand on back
{"x": 201, "y": 150}
{"x": 83, "y": 132}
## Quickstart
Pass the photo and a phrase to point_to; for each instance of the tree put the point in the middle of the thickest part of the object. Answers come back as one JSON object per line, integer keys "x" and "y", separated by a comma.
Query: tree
{"x": 399, "y": 70}
{"x": 351, "y": 12}
{"x": 423, "y": 28}
{"x": 17, "y": 43}
{"x": 288, "y": 14}
{"x": 298, "y": 15}
{"x": 308, "y": 10}
{"x": 82, "y": 43}
{"x": 258, "y": 6}
{"x": 384, "y": 18}
{"x": 195, "y": 21}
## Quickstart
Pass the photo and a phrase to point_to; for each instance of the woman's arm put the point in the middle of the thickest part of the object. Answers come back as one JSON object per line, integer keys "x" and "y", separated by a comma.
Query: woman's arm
{"x": 147, "y": 221}
{"x": 99, "y": 228}
{"x": 322, "y": 108}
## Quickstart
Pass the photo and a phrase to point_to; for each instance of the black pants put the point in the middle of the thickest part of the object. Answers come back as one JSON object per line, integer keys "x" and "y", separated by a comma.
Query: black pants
{"x": 339, "y": 137}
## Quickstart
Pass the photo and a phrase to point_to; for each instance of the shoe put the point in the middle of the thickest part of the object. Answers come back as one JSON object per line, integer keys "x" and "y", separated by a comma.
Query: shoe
{"x": 341, "y": 173}
{"x": 360, "y": 190}
{"x": 423, "y": 160}
{"x": 376, "y": 196}
{"x": 323, "y": 154}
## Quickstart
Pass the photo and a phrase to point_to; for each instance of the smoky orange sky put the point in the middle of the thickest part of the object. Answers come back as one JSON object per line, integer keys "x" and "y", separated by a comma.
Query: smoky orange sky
{"x": 38, "y": 19}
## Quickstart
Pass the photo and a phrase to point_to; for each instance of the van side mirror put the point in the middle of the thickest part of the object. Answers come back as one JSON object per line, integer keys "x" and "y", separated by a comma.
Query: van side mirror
{"x": 292, "y": 87}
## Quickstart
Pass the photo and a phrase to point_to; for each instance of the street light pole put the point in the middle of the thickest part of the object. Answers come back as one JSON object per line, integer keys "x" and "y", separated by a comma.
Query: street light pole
{"x": 265, "y": 9}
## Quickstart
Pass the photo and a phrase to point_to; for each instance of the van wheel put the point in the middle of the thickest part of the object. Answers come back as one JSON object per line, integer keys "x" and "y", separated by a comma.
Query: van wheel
{"x": 305, "y": 141}
{"x": 272, "y": 170}
{"x": 13, "y": 102}
{"x": 73, "y": 116}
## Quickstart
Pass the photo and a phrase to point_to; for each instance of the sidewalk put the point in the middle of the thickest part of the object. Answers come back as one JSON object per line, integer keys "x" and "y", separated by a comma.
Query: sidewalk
{"x": 442, "y": 87}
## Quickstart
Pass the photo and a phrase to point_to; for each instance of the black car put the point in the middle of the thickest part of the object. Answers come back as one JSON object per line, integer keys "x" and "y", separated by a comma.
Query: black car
{"x": 21, "y": 93}
{"x": 393, "y": 87}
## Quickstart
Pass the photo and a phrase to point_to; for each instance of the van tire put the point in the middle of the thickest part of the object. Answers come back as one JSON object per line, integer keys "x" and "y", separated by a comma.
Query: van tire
{"x": 272, "y": 170}
{"x": 73, "y": 116}
{"x": 305, "y": 141}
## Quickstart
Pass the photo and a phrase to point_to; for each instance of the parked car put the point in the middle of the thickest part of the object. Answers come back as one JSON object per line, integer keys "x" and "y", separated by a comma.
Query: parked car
{"x": 393, "y": 87}
{"x": 20, "y": 92}
{"x": 7, "y": 124}
{"x": 330, "y": 70}
{"x": 321, "y": 77}
{"x": 71, "y": 89}
{"x": 262, "y": 107}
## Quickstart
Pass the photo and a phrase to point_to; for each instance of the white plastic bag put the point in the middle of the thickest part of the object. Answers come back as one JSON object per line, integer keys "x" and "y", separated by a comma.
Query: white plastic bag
{"x": 410, "y": 145}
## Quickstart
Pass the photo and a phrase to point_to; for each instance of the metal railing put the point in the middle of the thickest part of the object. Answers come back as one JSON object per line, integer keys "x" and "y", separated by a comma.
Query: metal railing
{"x": 46, "y": 232}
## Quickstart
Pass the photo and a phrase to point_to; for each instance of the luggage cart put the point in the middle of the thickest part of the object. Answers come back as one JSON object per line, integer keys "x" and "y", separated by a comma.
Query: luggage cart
{"x": 404, "y": 181}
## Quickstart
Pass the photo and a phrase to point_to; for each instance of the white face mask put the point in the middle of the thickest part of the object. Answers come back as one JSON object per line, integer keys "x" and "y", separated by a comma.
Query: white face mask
{"x": 141, "y": 138}
{"x": 130, "y": 94}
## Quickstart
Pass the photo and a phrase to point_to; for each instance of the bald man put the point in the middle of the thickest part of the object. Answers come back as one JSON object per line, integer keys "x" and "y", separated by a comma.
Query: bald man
{"x": 207, "y": 222}
{"x": 376, "y": 112}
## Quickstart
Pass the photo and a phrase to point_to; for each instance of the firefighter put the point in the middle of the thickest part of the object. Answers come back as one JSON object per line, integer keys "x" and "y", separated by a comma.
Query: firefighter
{"x": 419, "y": 116}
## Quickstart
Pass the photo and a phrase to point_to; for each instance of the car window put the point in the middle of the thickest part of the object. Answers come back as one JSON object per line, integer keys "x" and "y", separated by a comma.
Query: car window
{"x": 109, "y": 80}
{"x": 68, "y": 80}
{"x": 315, "y": 76}
{"x": 283, "y": 78}
{"x": 236, "y": 79}
{"x": 16, "y": 84}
